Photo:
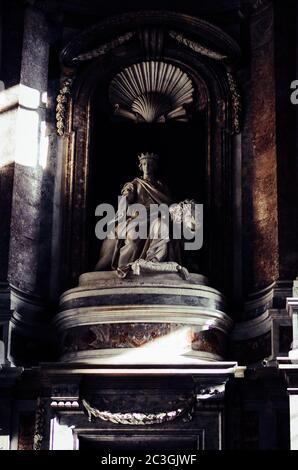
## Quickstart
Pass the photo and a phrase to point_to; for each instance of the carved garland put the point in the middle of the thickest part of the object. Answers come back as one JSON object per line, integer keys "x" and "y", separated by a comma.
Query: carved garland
{"x": 139, "y": 419}
{"x": 61, "y": 107}
{"x": 236, "y": 103}
{"x": 104, "y": 48}
{"x": 40, "y": 422}
{"x": 196, "y": 47}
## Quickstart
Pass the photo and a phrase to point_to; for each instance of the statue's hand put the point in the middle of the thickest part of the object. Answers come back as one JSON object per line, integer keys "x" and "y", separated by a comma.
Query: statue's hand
{"x": 128, "y": 192}
{"x": 127, "y": 188}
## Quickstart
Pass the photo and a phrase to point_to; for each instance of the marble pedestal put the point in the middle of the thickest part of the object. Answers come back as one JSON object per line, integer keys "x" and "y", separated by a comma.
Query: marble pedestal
{"x": 152, "y": 318}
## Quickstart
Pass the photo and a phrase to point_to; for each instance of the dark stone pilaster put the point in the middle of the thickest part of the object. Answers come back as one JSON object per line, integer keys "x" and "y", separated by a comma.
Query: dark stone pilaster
{"x": 33, "y": 186}
{"x": 11, "y": 37}
{"x": 28, "y": 247}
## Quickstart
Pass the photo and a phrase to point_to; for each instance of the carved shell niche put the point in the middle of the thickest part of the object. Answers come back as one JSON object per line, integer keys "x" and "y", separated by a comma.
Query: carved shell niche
{"x": 151, "y": 92}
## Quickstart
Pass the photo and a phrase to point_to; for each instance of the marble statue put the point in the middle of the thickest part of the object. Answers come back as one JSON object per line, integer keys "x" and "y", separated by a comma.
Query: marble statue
{"x": 157, "y": 251}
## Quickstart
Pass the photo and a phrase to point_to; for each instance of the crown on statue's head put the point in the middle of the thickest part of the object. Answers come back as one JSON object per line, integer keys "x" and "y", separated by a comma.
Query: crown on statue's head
{"x": 148, "y": 156}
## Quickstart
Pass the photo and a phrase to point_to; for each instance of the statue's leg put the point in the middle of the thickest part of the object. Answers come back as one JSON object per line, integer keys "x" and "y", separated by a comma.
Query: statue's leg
{"x": 159, "y": 238}
{"x": 106, "y": 255}
{"x": 131, "y": 249}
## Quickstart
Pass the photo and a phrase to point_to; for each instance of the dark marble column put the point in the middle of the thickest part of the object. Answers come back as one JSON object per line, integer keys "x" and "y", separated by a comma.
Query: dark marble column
{"x": 260, "y": 235}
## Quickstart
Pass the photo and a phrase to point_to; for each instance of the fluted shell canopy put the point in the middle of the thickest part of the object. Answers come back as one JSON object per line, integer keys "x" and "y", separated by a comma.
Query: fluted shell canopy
{"x": 151, "y": 92}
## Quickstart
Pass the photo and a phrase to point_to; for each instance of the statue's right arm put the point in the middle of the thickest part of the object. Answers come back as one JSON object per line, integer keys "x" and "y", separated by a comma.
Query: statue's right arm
{"x": 128, "y": 191}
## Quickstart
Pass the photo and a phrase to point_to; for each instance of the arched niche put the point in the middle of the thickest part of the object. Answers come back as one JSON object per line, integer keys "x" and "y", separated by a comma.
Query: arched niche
{"x": 208, "y": 56}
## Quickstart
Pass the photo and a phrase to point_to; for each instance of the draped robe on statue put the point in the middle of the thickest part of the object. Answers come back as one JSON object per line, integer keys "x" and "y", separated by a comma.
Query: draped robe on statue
{"x": 117, "y": 253}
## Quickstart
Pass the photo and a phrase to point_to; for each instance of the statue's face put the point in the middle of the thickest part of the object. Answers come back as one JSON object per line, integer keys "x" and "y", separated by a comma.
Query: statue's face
{"x": 148, "y": 167}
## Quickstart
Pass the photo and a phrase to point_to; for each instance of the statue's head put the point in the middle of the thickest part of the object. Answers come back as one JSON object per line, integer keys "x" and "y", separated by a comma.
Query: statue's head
{"x": 148, "y": 163}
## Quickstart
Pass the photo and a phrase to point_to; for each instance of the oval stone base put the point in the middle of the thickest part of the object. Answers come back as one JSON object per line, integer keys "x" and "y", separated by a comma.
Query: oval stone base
{"x": 153, "y": 318}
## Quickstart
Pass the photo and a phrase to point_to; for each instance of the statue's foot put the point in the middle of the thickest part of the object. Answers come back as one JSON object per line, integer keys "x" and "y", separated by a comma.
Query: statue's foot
{"x": 122, "y": 272}
{"x": 183, "y": 272}
{"x": 151, "y": 266}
